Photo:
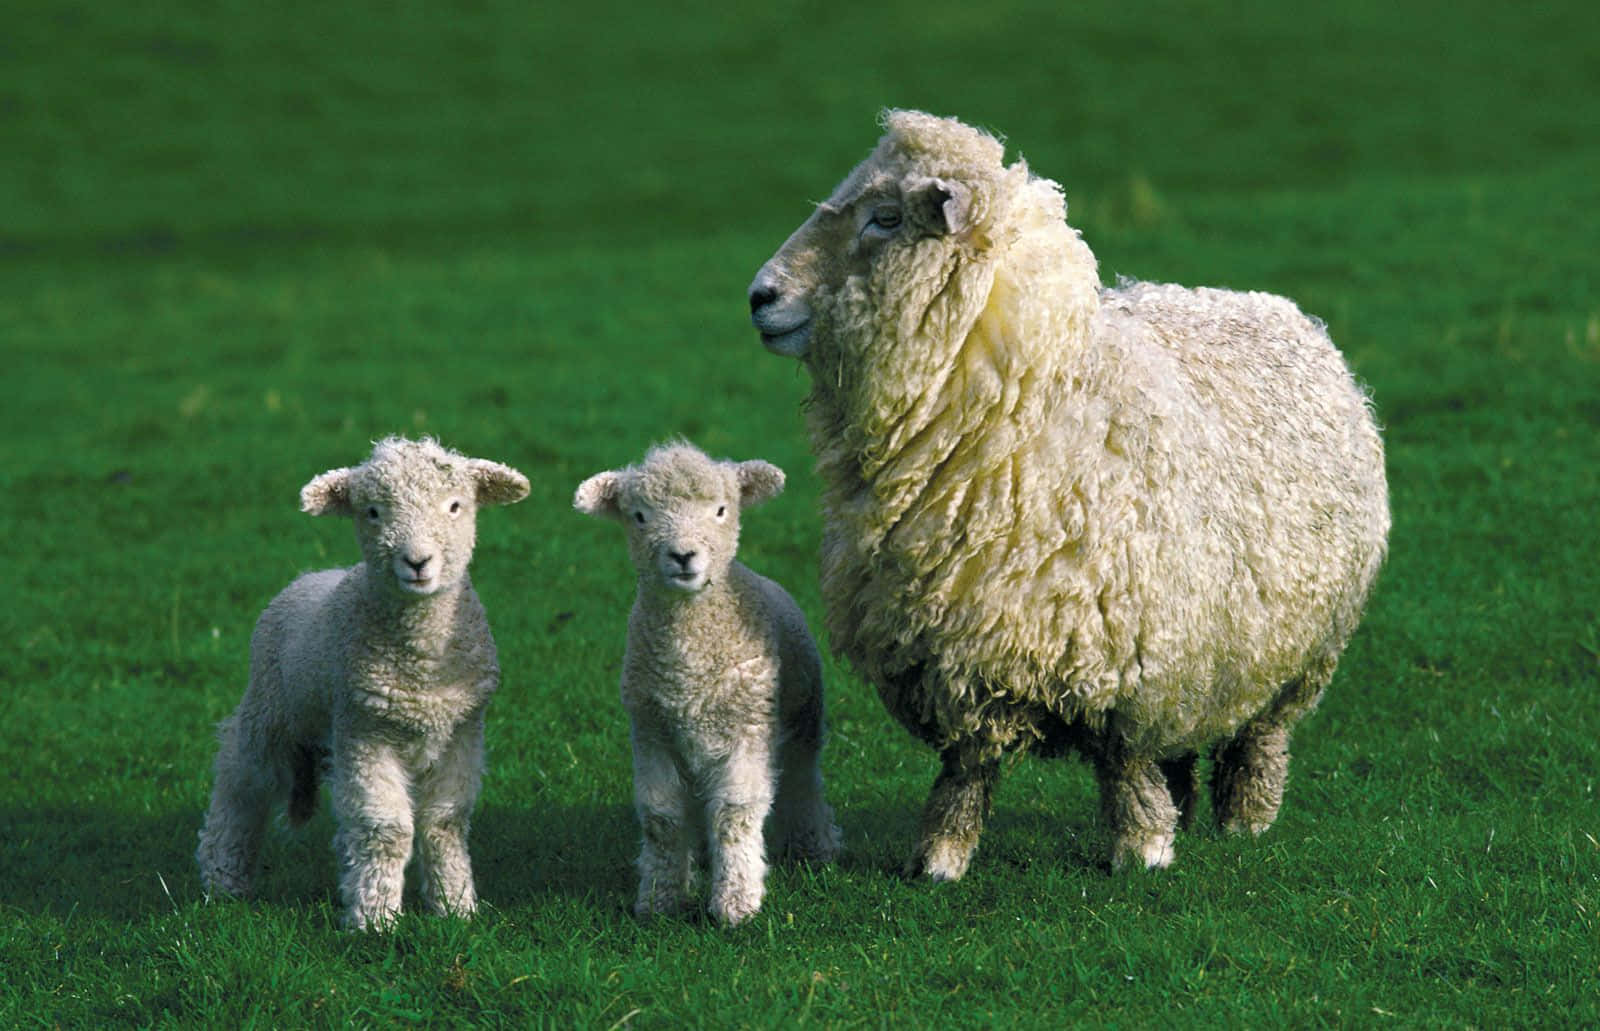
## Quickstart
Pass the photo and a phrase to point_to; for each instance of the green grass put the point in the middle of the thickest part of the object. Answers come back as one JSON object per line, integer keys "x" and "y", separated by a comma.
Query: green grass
{"x": 238, "y": 242}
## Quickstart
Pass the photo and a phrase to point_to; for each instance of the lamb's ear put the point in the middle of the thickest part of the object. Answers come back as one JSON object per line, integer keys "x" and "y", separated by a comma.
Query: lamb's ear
{"x": 328, "y": 494}
{"x": 497, "y": 484}
{"x": 758, "y": 481}
{"x": 943, "y": 205}
{"x": 597, "y": 496}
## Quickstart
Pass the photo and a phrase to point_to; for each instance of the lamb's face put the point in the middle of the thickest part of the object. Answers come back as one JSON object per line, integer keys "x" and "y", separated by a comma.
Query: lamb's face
{"x": 415, "y": 508}
{"x": 681, "y": 511}
{"x": 421, "y": 531}
{"x": 682, "y": 542}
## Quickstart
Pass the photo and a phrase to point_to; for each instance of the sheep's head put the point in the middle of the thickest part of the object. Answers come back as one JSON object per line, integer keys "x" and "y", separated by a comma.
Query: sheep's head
{"x": 933, "y": 192}
{"x": 681, "y": 510}
{"x": 415, "y": 506}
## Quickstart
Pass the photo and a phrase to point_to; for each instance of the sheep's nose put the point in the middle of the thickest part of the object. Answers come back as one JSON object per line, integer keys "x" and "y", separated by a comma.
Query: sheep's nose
{"x": 682, "y": 558}
{"x": 417, "y": 564}
{"x": 761, "y": 295}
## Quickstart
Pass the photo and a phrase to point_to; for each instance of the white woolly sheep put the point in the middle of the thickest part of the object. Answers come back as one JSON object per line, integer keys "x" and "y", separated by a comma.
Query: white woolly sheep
{"x": 377, "y": 676}
{"x": 1131, "y": 522}
{"x": 722, "y": 682}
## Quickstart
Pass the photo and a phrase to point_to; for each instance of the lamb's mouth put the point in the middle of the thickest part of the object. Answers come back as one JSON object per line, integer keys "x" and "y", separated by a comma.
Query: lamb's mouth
{"x": 687, "y": 580}
{"x": 419, "y": 585}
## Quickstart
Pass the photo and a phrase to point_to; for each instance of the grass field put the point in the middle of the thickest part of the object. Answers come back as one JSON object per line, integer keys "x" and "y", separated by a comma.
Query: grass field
{"x": 240, "y": 241}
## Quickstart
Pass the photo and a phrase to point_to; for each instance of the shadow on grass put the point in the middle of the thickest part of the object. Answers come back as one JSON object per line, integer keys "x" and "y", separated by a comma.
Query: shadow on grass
{"x": 125, "y": 866}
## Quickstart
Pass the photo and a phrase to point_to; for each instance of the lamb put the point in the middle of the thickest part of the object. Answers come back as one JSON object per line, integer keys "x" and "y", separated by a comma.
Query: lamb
{"x": 1133, "y": 523}
{"x": 376, "y": 676}
{"x": 722, "y": 683}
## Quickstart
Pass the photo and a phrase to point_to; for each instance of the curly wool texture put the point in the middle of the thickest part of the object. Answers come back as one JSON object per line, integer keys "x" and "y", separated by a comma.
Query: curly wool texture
{"x": 378, "y": 674}
{"x": 722, "y": 683}
{"x": 1144, "y": 509}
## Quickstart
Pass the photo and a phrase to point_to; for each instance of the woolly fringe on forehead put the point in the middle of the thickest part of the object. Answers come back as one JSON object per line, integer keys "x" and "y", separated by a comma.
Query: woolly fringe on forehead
{"x": 941, "y": 146}
{"x": 397, "y": 461}
{"x": 678, "y": 471}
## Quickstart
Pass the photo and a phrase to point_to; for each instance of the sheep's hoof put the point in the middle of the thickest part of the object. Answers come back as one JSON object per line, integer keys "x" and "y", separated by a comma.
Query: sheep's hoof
{"x": 940, "y": 861}
{"x": 1155, "y": 852}
{"x": 1241, "y": 826}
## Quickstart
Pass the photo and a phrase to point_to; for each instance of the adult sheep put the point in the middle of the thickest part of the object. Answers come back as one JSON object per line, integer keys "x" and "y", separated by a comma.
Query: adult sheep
{"x": 1133, "y": 522}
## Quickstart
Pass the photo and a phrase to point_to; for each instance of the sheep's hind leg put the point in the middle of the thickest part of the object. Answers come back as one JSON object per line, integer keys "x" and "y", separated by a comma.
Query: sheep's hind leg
{"x": 1249, "y": 773}
{"x": 953, "y": 819}
{"x": 802, "y": 821}
{"x": 1140, "y": 811}
{"x": 247, "y": 785}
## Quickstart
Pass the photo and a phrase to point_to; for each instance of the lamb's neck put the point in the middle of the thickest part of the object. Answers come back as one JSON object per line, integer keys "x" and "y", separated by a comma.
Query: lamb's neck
{"x": 421, "y": 623}
{"x": 677, "y": 612}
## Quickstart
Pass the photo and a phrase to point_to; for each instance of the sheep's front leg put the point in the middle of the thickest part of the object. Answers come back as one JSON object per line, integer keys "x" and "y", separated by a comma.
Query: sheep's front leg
{"x": 736, "y": 812}
{"x": 445, "y": 797}
{"x": 660, "y": 798}
{"x": 372, "y": 802}
{"x": 953, "y": 818}
{"x": 1138, "y": 806}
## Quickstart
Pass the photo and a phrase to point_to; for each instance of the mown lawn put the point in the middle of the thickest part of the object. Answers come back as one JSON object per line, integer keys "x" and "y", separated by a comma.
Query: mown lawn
{"x": 238, "y": 243}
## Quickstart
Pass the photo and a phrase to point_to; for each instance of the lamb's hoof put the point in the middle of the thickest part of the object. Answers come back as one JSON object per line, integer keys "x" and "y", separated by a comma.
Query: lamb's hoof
{"x": 733, "y": 910}
{"x": 940, "y": 861}
{"x": 376, "y": 921}
{"x": 648, "y": 907}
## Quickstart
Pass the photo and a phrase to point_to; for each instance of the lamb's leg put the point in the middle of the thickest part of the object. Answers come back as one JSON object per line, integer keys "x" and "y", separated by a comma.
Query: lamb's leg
{"x": 371, "y": 792}
{"x": 953, "y": 818}
{"x": 445, "y": 797}
{"x": 736, "y": 811}
{"x": 1250, "y": 772}
{"x": 660, "y": 798}
{"x": 1139, "y": 810}
{"x": 802, "y": 821}
{"x": 248, "y": 782}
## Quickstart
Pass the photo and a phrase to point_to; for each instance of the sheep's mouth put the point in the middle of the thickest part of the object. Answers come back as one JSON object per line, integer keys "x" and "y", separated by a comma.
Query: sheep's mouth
{"x": 687, "y": 580}
{"x": 790, "y": 343}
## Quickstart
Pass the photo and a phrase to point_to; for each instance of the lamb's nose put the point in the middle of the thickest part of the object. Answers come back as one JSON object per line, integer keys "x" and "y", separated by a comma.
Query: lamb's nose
{"x": 682, "y": 558}
{"x": 416, "y": 564}
{"x": 761, "y": 295}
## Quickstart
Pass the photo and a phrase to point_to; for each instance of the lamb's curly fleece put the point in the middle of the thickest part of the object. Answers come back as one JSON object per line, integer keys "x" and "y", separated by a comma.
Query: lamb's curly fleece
{"x": 722, "y": 682}
{"x": 1133, "y": 521}
{"x": 379, "y": 673}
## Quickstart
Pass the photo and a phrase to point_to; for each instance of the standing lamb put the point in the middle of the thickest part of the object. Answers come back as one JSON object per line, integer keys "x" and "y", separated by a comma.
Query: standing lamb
{"x": 1130, "y": 522}
{"x": 722, "y": 683}
{"x": 378, "y": 675}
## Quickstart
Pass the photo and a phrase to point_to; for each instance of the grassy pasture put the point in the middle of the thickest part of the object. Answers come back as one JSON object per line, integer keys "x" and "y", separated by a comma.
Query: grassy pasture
{"x": 238, "y": 242}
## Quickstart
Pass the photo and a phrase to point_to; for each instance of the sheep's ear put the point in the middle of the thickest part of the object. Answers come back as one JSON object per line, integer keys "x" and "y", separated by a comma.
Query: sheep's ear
{"x": 328, "y": 494}
{"x": 758, "y": 481}
{"x": 944, "y": 205}
{"x": 597, "y": 496}
{"x": 497, "y": 484}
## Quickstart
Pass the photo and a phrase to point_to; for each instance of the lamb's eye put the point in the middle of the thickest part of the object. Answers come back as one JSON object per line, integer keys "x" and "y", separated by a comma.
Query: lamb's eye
{"x": 372, "y": 512}
{"x": 722, "y": 510}
{"x": 638, "y": 517}
{"x": 455, "y": 508}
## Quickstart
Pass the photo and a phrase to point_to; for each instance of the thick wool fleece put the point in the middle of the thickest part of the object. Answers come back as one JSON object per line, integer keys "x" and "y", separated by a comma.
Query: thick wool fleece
{"x": 379, "y": 675}
{"x": 722, "y": 682}
{"x": 1136, "y": 521}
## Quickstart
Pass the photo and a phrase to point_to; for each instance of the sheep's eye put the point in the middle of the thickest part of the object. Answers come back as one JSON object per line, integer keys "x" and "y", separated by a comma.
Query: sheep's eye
{"x": 455, "y": 508}
{"x": 722, "y": 510}
{"x": 372, "y": 512}
{"x": 886, "y": 217}
{"x": 638, "y": 517}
